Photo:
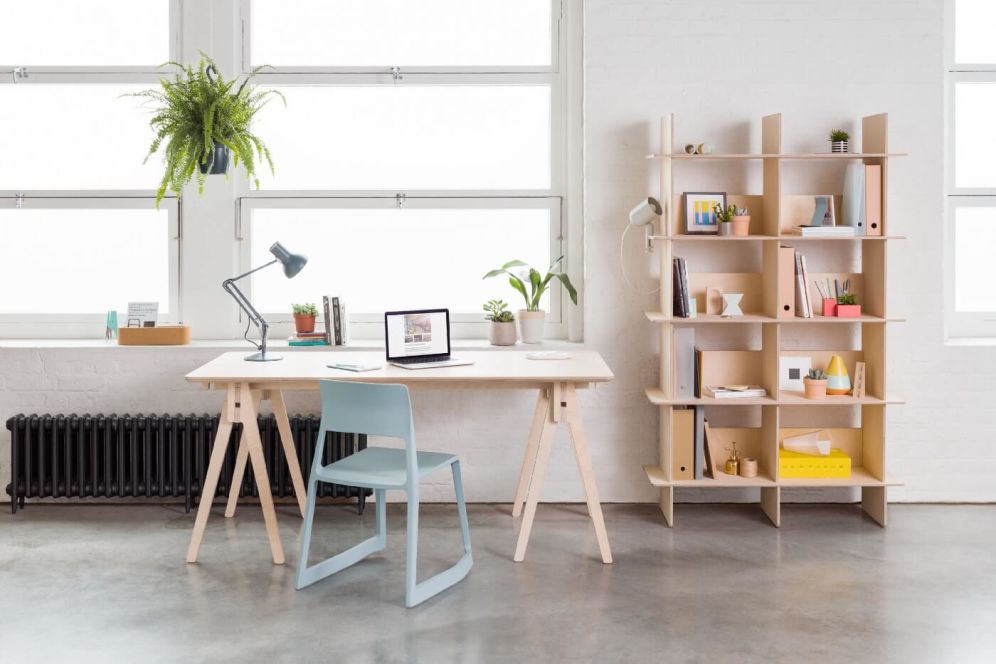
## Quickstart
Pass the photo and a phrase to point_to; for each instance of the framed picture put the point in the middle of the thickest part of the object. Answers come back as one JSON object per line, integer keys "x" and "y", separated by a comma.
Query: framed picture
{"x": 792, "y": 369}
{"x": 700, "y": 213}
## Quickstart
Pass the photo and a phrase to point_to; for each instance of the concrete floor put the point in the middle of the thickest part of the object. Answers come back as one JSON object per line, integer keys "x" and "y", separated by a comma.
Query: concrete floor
{"x": 108, "y": 584}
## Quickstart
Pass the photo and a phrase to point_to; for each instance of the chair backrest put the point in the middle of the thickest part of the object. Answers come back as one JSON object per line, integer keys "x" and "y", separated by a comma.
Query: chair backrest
{"x": 376, "y": 409}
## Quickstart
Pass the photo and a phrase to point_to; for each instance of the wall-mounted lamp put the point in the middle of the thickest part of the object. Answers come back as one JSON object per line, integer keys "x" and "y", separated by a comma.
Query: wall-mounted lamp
{"x": 644, "y": 214}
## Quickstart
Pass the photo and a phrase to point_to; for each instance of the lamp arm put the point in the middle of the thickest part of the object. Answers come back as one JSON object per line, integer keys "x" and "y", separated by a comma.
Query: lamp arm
{"x": 254, "y": 316}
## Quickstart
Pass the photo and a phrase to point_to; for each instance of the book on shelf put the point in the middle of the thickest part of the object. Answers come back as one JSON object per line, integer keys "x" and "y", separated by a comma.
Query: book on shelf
{"x": 299, "y": 340}
{"x": 825, "y": 231}
{"x": 336, "y": 324}
{"x": 684, "y": 361}
{"x": 336, "y": 321}
{"x": 805, "y": 287}
{"x": 699, "y": 442}
{"x": 802, "y": 309}
{"x": 682, "y": 305}
{"x": 734, "y": 391}
{"x": 327, "y": 313}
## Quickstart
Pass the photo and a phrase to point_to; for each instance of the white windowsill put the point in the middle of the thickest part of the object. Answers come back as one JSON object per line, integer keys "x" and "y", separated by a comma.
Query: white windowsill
{"x": 970, "y": 341}
{"x": 239, "y": 344}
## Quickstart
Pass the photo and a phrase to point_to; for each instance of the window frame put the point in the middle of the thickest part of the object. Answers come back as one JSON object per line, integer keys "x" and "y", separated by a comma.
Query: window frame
{"x": 960, "y": 325}
{"x": 564, "y": 78}
{"x": 62, "y": 325}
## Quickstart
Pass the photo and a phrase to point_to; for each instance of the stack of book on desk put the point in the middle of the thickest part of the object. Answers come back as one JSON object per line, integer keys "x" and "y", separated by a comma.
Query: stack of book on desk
{"x": 307, "y": 339}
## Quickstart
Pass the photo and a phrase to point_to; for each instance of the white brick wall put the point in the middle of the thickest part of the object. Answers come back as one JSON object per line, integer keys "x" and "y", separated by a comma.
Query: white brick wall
{"x": 720, "y": 65}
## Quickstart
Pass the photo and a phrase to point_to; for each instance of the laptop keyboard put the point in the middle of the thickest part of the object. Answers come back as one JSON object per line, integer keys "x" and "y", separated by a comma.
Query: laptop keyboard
{"x": 420, "y": 360}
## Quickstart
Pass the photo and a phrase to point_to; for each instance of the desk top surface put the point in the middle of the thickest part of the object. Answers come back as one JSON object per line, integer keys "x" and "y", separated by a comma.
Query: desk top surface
{"x": 583, "y": 366}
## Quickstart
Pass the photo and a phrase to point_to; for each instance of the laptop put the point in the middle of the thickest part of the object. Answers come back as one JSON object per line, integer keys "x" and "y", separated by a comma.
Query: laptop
{"x": 419, "y": 339}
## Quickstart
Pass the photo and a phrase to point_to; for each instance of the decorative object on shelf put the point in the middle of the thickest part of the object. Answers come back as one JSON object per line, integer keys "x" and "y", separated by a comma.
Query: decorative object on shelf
{"x": 532, "y": 318}
{"x": 705, "y": 148}
{"x": 690, "y": 148}
{"x": 748, "y": 467}
{"x": 161, "y": 335}
{"x": 815, "y": 384}
{"x": 202, "y": 118}
{"x": 852, "y": 208}
{"x": 792, "y": 465}
{"x": 815, "y": 442}
{"x": 741, "y": 222}
{"x": 829, "y": 307}
{"x": 700, "y": 212}
{"x": 724, "y": 215}
{"x": 859, "y": 380}
{"x": 304, "y": 317}
{"x": 823, "y": 212}
{"x": 502, "y": 330}
{"x": 731, "y": 305}
{"x": 793, "y": 370}
{"x": 142, "y": 314}
{"x": 847, "y": 305}
{"x": 714, "y": 300}
{"x": 292, "y": 264}
{"x": 732, "y": 465}
{"x": 693, "y": 309}
{"x": 111, "y": 325}
{"x": 838, "y": 141}
{"x": 838, "y": 382}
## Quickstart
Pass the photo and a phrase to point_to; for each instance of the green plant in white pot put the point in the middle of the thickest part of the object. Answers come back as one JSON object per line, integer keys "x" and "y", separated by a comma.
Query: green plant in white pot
{"x": 532, "y": 286}
{"x": 502, "y": 330}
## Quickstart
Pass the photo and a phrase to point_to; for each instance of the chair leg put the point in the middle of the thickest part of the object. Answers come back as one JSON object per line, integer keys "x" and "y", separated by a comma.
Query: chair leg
{"x": 309, "y": 575}
{"x": 416, "y": 593}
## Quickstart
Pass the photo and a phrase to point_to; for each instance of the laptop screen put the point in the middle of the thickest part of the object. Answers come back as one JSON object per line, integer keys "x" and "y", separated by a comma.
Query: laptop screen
{"x": 417, "y": 333}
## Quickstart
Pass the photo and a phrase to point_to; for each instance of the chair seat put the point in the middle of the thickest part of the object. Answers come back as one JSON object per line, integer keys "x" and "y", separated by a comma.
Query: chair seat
{"x": 380, "y": 467}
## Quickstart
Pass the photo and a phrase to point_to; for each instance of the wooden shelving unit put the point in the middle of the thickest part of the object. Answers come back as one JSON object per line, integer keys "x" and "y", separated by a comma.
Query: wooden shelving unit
{"x": 773, "y": 214}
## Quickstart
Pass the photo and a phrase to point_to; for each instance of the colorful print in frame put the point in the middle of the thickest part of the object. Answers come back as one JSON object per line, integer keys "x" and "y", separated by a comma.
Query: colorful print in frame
{"x": 700, "y": 214}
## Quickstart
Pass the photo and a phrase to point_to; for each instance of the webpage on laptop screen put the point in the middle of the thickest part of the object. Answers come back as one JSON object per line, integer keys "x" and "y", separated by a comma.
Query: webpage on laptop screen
{"x": 417, "y": 334}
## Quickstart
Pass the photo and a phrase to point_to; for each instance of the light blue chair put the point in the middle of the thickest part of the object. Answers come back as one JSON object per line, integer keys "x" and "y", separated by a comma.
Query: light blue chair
{"x": 379, "y": 410}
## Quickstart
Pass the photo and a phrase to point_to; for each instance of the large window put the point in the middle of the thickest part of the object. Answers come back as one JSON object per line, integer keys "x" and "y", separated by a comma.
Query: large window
{"x": 80, "y": 234}
{"x": 970, "y": 176}
{"x": 423, "y": 143}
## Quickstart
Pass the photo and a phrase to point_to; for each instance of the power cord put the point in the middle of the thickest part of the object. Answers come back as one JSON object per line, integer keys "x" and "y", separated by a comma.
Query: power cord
{"x": 622, "y": 265}
{"x": 245, "y": 336}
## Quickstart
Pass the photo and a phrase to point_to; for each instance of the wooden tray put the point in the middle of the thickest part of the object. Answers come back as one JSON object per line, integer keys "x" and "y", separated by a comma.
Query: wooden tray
{"x": 162, "y": 335}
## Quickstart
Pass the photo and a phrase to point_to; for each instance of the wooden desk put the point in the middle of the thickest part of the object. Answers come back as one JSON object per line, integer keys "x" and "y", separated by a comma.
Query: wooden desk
{"x": 246, "y": 384}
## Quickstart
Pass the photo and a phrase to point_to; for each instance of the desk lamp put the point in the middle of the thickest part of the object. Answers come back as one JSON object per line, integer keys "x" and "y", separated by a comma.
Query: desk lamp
{"x": 293, "y": 263}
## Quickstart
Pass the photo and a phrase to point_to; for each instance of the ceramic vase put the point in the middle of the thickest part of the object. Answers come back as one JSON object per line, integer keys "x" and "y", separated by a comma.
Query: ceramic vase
{"x": 838, "y": 382}
{"x": 531, "y": 326}
{"x": 741, "y": 225}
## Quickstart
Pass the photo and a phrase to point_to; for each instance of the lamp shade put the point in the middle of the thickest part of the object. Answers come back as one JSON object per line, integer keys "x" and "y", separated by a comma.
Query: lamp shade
{"x": 645, "y": 212}
{"x": 293, "y": 263}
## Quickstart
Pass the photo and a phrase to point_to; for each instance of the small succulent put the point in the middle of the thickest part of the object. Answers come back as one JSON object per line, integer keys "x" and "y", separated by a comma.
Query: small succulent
{"x": 498, "y": 311}
{"x": 847, "y": 298}
{"x": 306, "y": 309}
{"x": 839, "y": 135}
{"x": 740, "y": 212}
{"x": 724, "y": 214}
{"x": 816, "y": 374}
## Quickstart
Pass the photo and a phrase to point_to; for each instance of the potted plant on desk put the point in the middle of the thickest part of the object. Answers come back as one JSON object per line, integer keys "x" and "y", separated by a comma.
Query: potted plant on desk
{"x": 502, "y": 330}
{"x": 532, "y": 286}
{"x": 304, "y": 317}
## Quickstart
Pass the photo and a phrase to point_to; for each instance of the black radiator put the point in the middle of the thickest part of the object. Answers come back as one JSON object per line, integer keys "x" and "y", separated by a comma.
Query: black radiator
{"x": 155, "y": 456}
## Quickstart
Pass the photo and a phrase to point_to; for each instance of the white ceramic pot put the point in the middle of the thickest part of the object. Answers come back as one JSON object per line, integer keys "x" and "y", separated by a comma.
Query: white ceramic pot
{"x": 531, "y": 325}
{"x": 502, "y": 334}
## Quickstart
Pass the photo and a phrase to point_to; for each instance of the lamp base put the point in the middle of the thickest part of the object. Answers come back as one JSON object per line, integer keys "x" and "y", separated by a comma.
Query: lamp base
{"x": 260, "y": 357}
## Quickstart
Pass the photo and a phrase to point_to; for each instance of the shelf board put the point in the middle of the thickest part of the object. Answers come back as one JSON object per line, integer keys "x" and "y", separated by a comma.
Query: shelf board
{"x": 658, "y": 398}
{"x": 682, "y": 237}
{"x": 787, "y": 237}
{"x": 706, "y": 319}
{"x": 656, "y": 476}
{"x": 792, "y": 156}
{"x": 859, "y": 477}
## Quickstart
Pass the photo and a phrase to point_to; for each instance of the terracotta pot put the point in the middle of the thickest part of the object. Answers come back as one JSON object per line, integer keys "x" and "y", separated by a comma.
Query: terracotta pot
{"x": 726, "y": 228}
{"x": 502, "y": 334}
{"x": 741, "y": 225}
{"x": 531, "y": 326}
{"x": 815, "y": 389}
{"x": 304, "y": 324}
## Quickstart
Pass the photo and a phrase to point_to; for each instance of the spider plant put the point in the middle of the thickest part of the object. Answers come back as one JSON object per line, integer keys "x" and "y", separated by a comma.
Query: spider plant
{"x": 199, "y": 110}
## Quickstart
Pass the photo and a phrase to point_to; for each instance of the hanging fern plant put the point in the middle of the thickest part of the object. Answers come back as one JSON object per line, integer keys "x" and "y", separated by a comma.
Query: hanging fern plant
{"x": 199, "y": 111}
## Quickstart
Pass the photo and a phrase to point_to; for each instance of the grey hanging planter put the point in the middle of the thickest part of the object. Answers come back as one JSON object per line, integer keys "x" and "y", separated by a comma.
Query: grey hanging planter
{"x": 217, "y": 160}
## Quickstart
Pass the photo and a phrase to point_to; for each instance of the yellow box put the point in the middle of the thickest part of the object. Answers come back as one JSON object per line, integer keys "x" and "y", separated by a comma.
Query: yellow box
{"x": 161, "y": 335}
{"x": 794, "y": 465}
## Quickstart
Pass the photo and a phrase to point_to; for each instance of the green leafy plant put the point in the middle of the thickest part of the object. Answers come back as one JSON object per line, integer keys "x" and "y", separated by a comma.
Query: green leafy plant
{"x": 498, "y": 311}
{"x": 198, "y": 109}
{"x": 816, "y": 374}
{"x": 839, "y": 135}
{"x": 306, "y": 309}
{"x": 537, "y": 283}
{"x": 724, "y": 215}
{"x": 847, "y": 298}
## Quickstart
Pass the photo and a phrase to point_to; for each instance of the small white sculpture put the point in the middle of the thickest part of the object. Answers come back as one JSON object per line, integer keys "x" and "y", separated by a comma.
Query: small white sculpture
{"x": 731, "y": 305}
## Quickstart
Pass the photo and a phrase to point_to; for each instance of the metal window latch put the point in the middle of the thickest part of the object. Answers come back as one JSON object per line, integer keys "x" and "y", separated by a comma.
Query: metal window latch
{"x": 396, "y": 73}
{"x": 20, "y": 73}
{"x": 18, "y": 201}
{"x": 400, "y": 200}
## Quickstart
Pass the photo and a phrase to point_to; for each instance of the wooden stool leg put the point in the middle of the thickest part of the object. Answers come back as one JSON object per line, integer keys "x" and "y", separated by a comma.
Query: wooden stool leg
{"x": 536, "y": 485}
{"x": 587, "y": 473}
{"x": 287, "y": 440}
{"x": 240, "y": 467}
{"x": 255, "y": 446}
{"x": 213, "y": 472}
{"x": 532, "y": 447}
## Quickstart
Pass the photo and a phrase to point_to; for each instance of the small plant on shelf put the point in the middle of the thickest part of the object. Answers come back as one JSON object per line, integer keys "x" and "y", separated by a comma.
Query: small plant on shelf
{"x": 838, "y": 140}
{"x": 502, "y": 330}
{"x": 815, "y": 384}
{"x": 733, "y": 220}
{"x": 847, "y": 298}
{"x": 304, "y": 317}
